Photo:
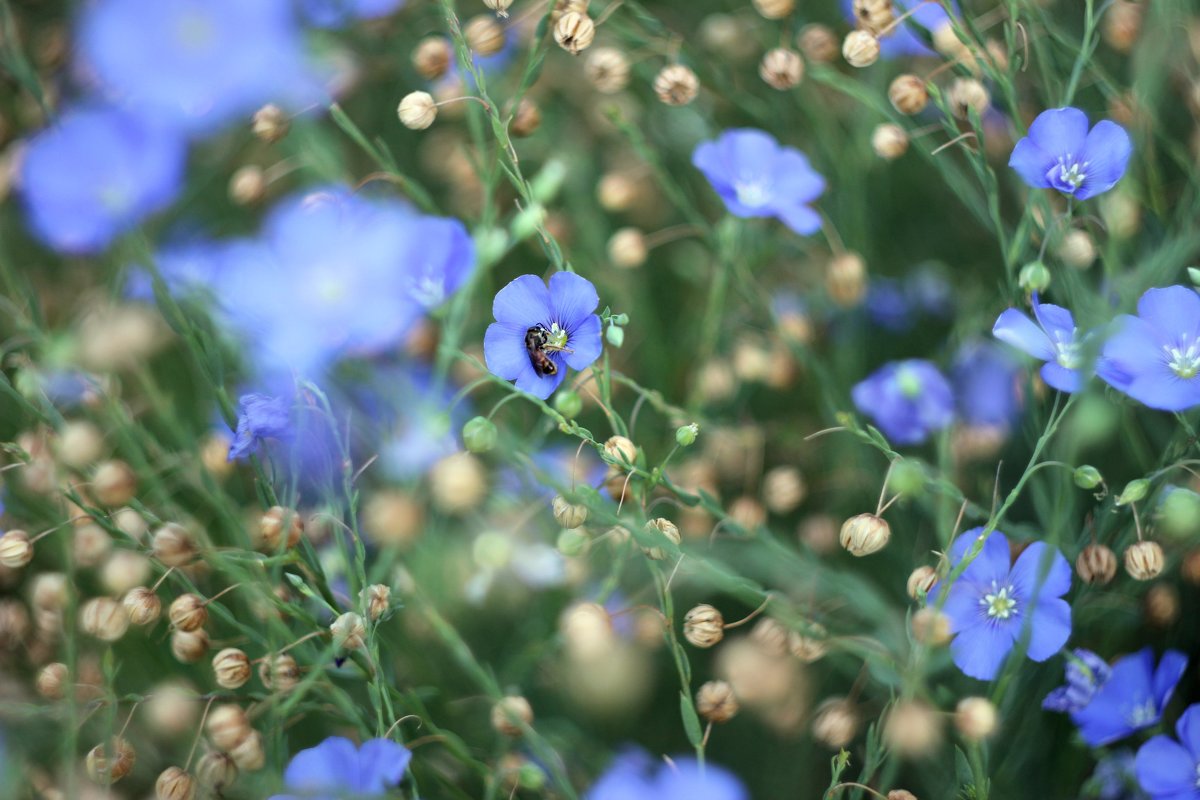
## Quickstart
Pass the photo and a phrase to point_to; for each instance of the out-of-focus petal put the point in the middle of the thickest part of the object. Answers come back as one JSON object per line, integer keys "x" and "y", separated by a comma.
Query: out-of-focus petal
{"x": 981, "y": 649}
{"x": 1050, "y": 627}
{"x": 381, "y": 765}
{"x": 1031, "y": 163}
{"x": 331, "y": 765}
{"x": 1173, "y": 310}
{"x": 1018, "y": 330}
{"x": 1166, "y": 769}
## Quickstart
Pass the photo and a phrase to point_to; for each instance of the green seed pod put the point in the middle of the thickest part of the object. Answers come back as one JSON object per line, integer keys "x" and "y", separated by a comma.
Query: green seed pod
{"x": 615, "y": 335}
{"x": 1133, "y": 491}
{"x": 686, "y": 435}
{"x": 572, "y": 542}
{"x": 479, "y": 435}
{"x": 1087, "y": 477}
{"x": 1034, "y": 277}
{"x": 568, "y": 403}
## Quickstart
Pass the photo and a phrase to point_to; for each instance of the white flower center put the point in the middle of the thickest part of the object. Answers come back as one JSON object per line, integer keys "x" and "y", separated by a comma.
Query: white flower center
{"x": 1142, "y": 714}
{"x": 752, "y": 193}
{"x": 1067, "y": 350}
{"x": 1071, "y": 172}
{"x": 1184, "y": 358}
{"x": 1000, "y": 603}
{"x": 558, "y": 337}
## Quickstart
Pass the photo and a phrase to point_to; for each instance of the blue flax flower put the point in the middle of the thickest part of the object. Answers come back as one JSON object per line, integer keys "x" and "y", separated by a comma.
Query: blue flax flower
{"x": 985, "y": 385}
{"x": 1053, "y": 339}
{"x": 1086, "y": 673}
{"x": 1170, "y": 770}
{"x": 907, "y": 399}
{"x": 337, "y": 13}
{"x": 1155, "y": 357}
{"x": 96, "y": 173}
{"x": 995, "y": 602}
{"x": 634, "y": 775}
{"x": 541, "y": 331}
{"x": 1060, "y": 153}
{"x": 1131, "y": 698}
{"x": 757, "y": 177}
{"x": 337, "y": 769}
{"x": 1115, "y": 779}
{"x": 260, "y": 417}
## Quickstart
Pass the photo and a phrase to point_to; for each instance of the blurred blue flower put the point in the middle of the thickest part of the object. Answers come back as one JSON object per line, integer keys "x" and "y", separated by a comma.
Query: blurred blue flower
{"x": 96, "y": 173}
{"x": 197, "y": 63}
{"x": 1155, "y": 357}
{"x": 260, "y": 417}
{"x": 189, "y": 266}
{"x": 1170, "y": 770}
{"x": 757, "y": 177}
{"x": 1059, "y": 153}
{"x": 634, "y": 775}
{"x": 1053, "y": 339}
{"x": 1131, "y": 697}
{"x": 540, "y": 331}
{"x": 438, "y": 256}
{"x": 930, "y": 291}
{"x": 889, "y": 305}
{"x": 336, "y": 13}
{"x": 908, "y": 400}
{"x": 1115, "y": 779}
{"x": 1086, "y": 672}
{"x": 902, "y": 41}
{"x": 336, "y": 768}
{"x": 985, "y": 385}
{"x": 994, "y": 602}
{"x": 414, "y": 414}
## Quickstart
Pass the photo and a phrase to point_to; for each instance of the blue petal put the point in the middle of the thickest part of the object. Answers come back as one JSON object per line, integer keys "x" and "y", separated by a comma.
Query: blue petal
{"x": 541, "y": 386}
{"x": 1170, "y": 670}
{"x": 800, "y": 218}
{"x": 1102, "y": 721}
{"x": 980, "y": 649}
{"x": 1060, "y": 132}
{"x": 1123, "y": 356}
{"x": 687, "y": 780}
{"x": 1165, "y": 768}
{"x": 572, "y": 299}
{"x": 505, "y": 352}
{"x": 1173, "y": 311}
{"x": 796, "y": 182}
{"x": 328, "y": 766}
{"x": 1056, "y": 321}
{"x": 1031, "y": 163}
{"x": 1188, "y": 730}
{"x": 381, "y": 765}
{"x": 993, "y": 561}
{"x": 525, "y": 301}
{"x": 1027, "y": 570}
{"x": 961, "y": 605}
{"x": 1159, "y": 387}
{"x": 1059, "y": 377}
{"x": 1106, "y": 153}
{"x": 585, "y": 341}
{"x": 1050, "y": 627}
{"x": 1018, "y": 330}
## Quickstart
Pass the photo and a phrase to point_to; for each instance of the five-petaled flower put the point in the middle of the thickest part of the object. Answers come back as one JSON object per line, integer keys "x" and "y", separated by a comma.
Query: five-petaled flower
{"x": 907, "y": 399}
{"x": 994, "y": 603}
{"x": 336, "y": 768}
{"x": 757, "y": 177}
{"x": 1128, "y": 698}
{"x": 1060, "y": 153}
{"x": 1053, "y": 339}
{"x": 541, "y": 331}
{"x": 1155, "y": 357}
{"x": 1170, "y": 770}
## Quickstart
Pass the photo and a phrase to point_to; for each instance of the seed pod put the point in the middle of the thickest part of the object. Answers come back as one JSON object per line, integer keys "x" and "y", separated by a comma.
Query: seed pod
{"x": 908, "y": 94}
{"x": 526, "y": 120}
{"x": 846, "y": 279}
{"x": 226, "y": 726}
{"x": 417, "y": 110}
{"x": 52, "y": 680}
{"x": 484, "y": 35}
{"x": 889, "y": 141}
{"x": 508, "y": 711}
{"x": 1096, "y": 564}
{"x": 279, "y": 673}
{"x": 248, "y": 753}
{"x": 188, "y": 647}
{"x": 173, "y": 545}
{"x": 703, "y": 626}
{"x": 676, "y": 85}
{"x": 1078, "y": 251}
{"x": 108, "y": 764}
{"x": 875, "y": 16}
{"x": 818, "y": 43}
{"x": 966, "y": 95}
{"x": 91, "y": 545}
{"x": 930, "y": 626}
{"x": 103, "y": 618}
{"x": 781, "y": 68}
{"x": 174, "y": 784}
{"x": 912, "y": 728}
{"x": 51, "y": 591}
{"x": 835, "y": 723}
{"x": 499, "y": 6}
{"x": 16, "y": 550}
{"x": 124, "y": 570}
{"x": 114, "y": 484}
{"x": 80, "y": 443}
{"x": 248, "y": 185}
{"x": 770, "y": 636}
{"x": 188, "y": 612}
{"x": 432, "y": 56}
{"x": 774, "y": 9}
{"x": 142, "y": 605}
{"x": 1161, "y": 605}
{"x": 277, "y": 523}
{"x": 860, "y": 49}
{"x": 783, "y": 490}
{"x": 271, "y": 123}
{"x": 1144, "y": 560}
{"x": 574, "y": 31}
{"x": 920, "y": 582}
{"x": 216, "y": 771}
{"x": 901, "y": 794}
{"x": 457, "y": 483}
{"x": 715, "y": 702}
{"x": 811, "y": 645}
{"x": 569, "y": 515}
{"x": 607, "y": 69}
{"x": 864, "y": 534}
{"x": 376, "y": 598}
{"x": 975, "y": 718}
{"x": 348, "y": 631}
{"x": 666, "y": 528}
{"x": 231, "y": 668}
{"x": 627, "y": 248}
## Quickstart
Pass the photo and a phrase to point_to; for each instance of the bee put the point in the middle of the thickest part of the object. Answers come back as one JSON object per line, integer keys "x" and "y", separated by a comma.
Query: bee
{"x": 537, "y": 343}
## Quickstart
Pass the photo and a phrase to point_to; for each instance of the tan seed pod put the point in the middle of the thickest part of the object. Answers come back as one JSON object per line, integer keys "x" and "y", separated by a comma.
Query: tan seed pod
{"x": 142, "y": 605}
{"x": 188, "y": 612}
{"x": 774, "y": 9}
{"x": 607, "y": 69}
{"x": 14, "y": 624}
{"x": 783, "y": 490}
{"x": 227, "y": 725}
{"x": 1144, "y": 560}
{"x": 248, "y": 185}
{"x": 864, "y": 534}
{"x": 901, "y": 794}
{"x": 715, "y": 702}
{"x": 103, "y": 618}
{"x": 620, "y": 450}
{"x": 811, "y": 645}
{"x": 703, "y": 626}
{"x": 51, "y": 591}
{"x": 875, "y": 16}
{"x": 432, "y": 57}
{"x": 627, "y": 248}
{"x": 484, "y": 35}
{"x": 248, "y": 754}
{"x": 80, "y": 444}
{"x": 889, "y": 141}
{"x": 376, "y": 599}
{"x": 174, "y": 783}
{"x": 569, "y": 515}
{"x": 770, "y": 636}
{"x": 16, "y": 549}
{"x": 231, "y": 668}
{"x": 676, "y": 85}
{"x": 574, "y": 32}
{"x": 507, "y": 713}
{"x": 52, "y": 681}
{"x": 966, "y": 95}
{"x": 189, "y": 647}
{"x": 912, "y": 728}
{"x": 216, "y": 771}
{"x": 349, "y": 632}
{"x": 818, "y": 43}
{"x": 113, "y": 484}
{"x": 666, "y": 528}
{"x": 277, "y": 524}
{"x": 1161, "y": 605}
{"x": 271, "y": 123}
{"x": 846, "y": 279}
{"x": 781, "y": 68}
{"x": 499, "y": 6}
{"x": 930, "y": 626}
{"x": 860, "y": 49}
{"x": 920, "y": 582}
{"x": 417, "y": 110}
{"x": 908, "y": 94}
{"x": 279, "y": 673}
{"x": 835, "y": 723}
{"x": 90, "y": 545}
{"x": 975, "y": 718}
{"x": 124, "y": 570}
{"x": 526, "y": 120}
{"x": 107, "y": 764}
{"x": 173, "y": 545}
{"x": 457, "y": 483}
{"x": 1096, "y": 564}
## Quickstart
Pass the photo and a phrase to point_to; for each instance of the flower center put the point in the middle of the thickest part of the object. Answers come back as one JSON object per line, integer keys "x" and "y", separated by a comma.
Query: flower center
{"x": 752, "y": 193}
{"x": 1071, "y": 173}
{"x": 1184, "y": 358}
{"x": 909, "y": 383}
{"x": 1000, "y": 603}
{"x": 1067, "y": 351}
{"x": 1142, "y": 714}
{"x": 558, "y": 338}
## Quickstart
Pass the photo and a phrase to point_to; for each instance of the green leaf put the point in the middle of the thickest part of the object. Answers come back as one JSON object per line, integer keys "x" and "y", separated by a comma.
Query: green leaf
{"x": 691, "y": 722}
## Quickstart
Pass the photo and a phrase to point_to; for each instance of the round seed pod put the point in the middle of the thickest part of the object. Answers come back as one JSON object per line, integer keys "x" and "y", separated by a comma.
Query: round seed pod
{"x": 103, "y": 618}
{"x": 432, "y": 56}
{"x": 279, "y": 673}
{"x": 91, "y": 545}
{"x": 860, "y": 49}
{"x": 966, "y": 95}
{"x": 189, "y": 647}
{"x": 50, "y": 592}
{"x": 376, "y": 598}
{"x": 703, "y": 626}
{"x": 818, "y": 43}
{"x": 864, "y": 534}
{"x": 226, "y": 726}
{"x": 188, "y": 612}
{"x": 248, "y": 185}
{"x": 783, "y": 490}
{"x": 975, "y": 718}
{"x": 216, "y": 771}
{"x": 124, "y": 570}
{"x": 574, "y": 32}
{"x": 569, "y": 515}
{"x": 457, "y": 483}
{"x": 920, "y": 582}
{"x": 107, "y": 764}
{"x": 781, "y": 68}
{"x": 1144, "y": 560}
{"x": 770, "y": 636}
{"x": 901, "y": 794}
{"x": 526, "y": 120}
{"x": 52, "y": 681}
{"x": 875, "y": 16}
{"x": 908, "y": 94}
{"x": 676, "y": 85}
{"x": 276, "y": 524}
{"x": 508, "y": 711}
{"x": 912, "y": 728}
{"x": 113, "y": 484}
{"x": 142, "y": 605}
{"x": 811, "y": 645}
{"x": 666, "y": 528}
{"x": 174, "y": 783}
{"x": 248, "y": 753}
{"x": 499, "y": 6}
{"x": 846, "y": 279}
{"x": 774, "y": 9}
{"x": 889, "y": 141}
{"x": 627, "y": 248}
{"x": 835, "y": 723}
{"x": 16, "y": 550}
{"x": 80, "y": 443}
{"x": 349, "y": 632}
{"x": 271, "y": 123}
{"x": 620, "y": 450}
{"x": 607, "y": 69}
{"x": 715, "y": 702}
{"x": 1096, "y": 564}
{"x": 484, "y": 35}
{"x": 231, "y": 668}
{"x": 173, "y": 545}
{"x": 417, "y": 110}
{"x": 1161, "y": 605}
{"x": 931, "y": 626}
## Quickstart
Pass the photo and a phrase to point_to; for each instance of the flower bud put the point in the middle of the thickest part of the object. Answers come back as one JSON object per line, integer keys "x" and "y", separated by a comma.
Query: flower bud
{"x": 889, "y": 141}
{"x": 715, "y": 702}
{"x": 279, "y": 673}
{"x": 142, "y": 605}
{"x": 864, "y": 534}
{"x": 174, "y": 784}
{"x": 676, "y": 85}
{"x": 417, "y": 110}
{"x": 231, "y": 668}
{"x": 103, "y": 618}
{"x": 975, "y": 718}
{"x": 173, "y": 546}
{"x": 666, "y": 528}
{"x": 781, "y": 68}
{"x": 509, "y": 713}
{"x": 188, "y": 612}
{"x": 1134, "y": 491}
{"x": 818, "y": 43}
{"x": 349, "y": 632}
{"x": 569, "y": 515}
{"x": 1144, "y": 560}
{"x": 908, "y": 94}
{"x": 811, "y": 645}
{"x": 568, "y": 403}
{"x": 574, "y": 32}
{"x": 931, "y": 626}
{"x": 912, "y": 728}
{"x": 835, "y": 723}
{"x": 1161, "y": 605}
{"x": 108, "y": 764}
{"x": 479, "y": 435}
{"x": 270, "y": 123}
{"x": 113, "y": 484}
{"x": 846, "y": 279}
{"x": 227, "y": 725}
{"x": 377, "y": 599}
{"x": 860, "y": 49}
{"x": 627, "y": 248}
{"x": 248, "y": 753}
{"x": 189, "y": 647}
{"x": 216, "y": 771}
{"x": 966, "y": 95}
{"x": 703, "y": 626}
{"x": 16, "y": 550}
{"x": 484, "y": 35}
{"x": 607, "y": 69}
{"x": 620, "y": 450}
{"x": 52, "y": 681}
{"x": 1096, "y": 564}
{"x": 1034, "y": 277}
{"x": 685, "y": 435}
{"x": 921, "y": 581}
